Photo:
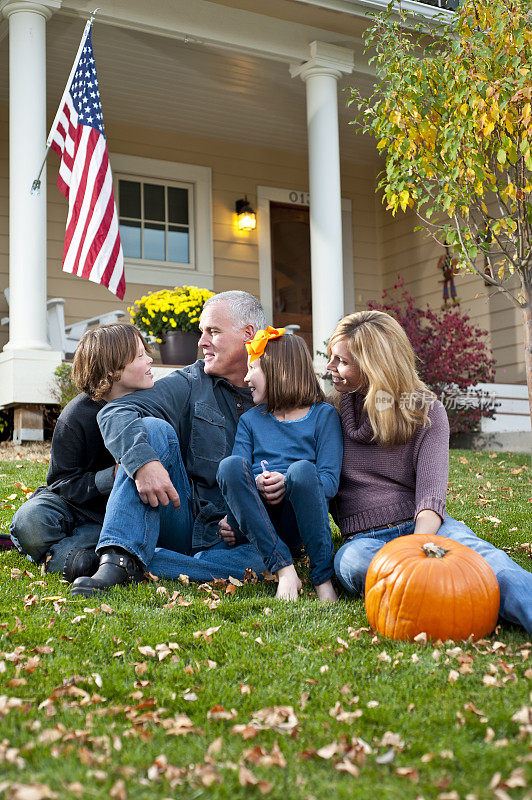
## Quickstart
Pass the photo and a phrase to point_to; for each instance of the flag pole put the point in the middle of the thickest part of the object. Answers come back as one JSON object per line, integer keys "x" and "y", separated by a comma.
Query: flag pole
{"x": 36, "y": 185}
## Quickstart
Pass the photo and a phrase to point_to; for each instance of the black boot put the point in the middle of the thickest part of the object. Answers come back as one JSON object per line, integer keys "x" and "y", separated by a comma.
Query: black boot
{"x": 80, "y": 561}
{"x": 117, "y": 567}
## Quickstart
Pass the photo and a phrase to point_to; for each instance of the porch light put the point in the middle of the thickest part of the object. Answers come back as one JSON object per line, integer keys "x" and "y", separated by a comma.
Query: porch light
{"x": 246, "y": 219}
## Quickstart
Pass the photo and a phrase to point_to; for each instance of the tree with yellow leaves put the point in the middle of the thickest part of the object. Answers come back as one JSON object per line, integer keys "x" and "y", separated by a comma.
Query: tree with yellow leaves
{"x": 451, "y": 111}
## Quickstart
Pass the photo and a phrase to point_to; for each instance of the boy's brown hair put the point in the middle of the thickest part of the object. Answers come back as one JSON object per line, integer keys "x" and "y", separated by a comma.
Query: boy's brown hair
{"x": 290, "y": 378}
{"x": 102, "y": 354}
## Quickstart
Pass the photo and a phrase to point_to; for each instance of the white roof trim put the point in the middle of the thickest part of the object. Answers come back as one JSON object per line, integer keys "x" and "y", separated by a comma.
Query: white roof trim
{"x": 360, "y": 8}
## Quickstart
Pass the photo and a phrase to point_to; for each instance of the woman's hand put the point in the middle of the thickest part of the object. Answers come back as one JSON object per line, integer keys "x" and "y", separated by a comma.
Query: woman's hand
{"x": 226, "y": 532}
{"x": 271, "y": 487}
{"x": 427, "y": 521}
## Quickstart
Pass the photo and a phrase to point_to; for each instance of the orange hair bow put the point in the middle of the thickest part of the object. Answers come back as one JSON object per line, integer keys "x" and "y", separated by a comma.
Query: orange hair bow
{"x": 257, "y": 345}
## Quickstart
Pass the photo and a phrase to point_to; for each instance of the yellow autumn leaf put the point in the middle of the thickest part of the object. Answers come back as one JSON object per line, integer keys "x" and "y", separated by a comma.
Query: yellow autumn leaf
{"x": 404, "y": 196}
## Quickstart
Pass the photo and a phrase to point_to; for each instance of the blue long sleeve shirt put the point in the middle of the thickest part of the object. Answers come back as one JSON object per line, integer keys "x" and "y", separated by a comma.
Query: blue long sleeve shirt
{"x": 316, "y": 437}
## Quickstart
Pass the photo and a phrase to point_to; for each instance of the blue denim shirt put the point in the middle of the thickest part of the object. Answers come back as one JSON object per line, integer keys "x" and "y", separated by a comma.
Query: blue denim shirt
{"x": 195, "y": 405}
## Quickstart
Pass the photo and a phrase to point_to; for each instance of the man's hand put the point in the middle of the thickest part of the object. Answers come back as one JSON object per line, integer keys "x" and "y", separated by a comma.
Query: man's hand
{"x": 271, "y": 487}
{"x": 154, "y": 485}
{"x": 226, "y": 532}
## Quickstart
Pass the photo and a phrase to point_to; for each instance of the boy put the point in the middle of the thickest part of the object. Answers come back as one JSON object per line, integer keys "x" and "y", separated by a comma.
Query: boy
{"x": 60, "y": 524}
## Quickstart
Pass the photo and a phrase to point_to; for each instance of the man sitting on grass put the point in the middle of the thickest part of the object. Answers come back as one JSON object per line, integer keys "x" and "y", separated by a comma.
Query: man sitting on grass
{"x": 166, "y": 504}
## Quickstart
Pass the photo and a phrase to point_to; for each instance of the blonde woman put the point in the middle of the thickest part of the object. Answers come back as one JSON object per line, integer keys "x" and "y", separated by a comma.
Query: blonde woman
{"x": 396, "y": 458}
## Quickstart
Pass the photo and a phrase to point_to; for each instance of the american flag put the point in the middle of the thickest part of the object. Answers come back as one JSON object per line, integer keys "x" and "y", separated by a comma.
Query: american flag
{"x": 92, "y": 240}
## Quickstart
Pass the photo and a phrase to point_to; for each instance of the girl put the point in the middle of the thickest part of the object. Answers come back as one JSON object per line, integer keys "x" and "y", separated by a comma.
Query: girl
{"x": 396, "y": 458}
{"x": 60, "y": 523}
{"x": 285, "y": 464}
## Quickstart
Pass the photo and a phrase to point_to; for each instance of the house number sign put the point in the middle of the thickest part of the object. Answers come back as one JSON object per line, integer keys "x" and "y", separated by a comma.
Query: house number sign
{"x": 301, "y": 198}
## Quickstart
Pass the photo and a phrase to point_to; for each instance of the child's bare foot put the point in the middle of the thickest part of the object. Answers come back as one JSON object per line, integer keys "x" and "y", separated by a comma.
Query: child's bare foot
{"x": 326, "y": 592}
{"x": 289, "y": 583}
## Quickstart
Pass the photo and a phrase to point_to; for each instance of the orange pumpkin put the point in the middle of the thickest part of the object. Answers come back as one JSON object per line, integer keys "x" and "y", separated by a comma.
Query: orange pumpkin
{"x": 431, "y": 584}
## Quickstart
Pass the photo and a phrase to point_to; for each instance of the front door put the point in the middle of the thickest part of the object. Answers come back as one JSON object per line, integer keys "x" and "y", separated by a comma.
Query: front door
{"x": 291, "y": 277}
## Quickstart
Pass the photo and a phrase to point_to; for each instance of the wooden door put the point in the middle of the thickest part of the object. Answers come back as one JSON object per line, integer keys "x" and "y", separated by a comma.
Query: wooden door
{"x": 292, "y": 290}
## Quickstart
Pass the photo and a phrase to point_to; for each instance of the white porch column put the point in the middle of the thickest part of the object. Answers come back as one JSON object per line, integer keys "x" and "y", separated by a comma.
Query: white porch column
{"x": 27, "y": 362}
{"x": 27, "y": 138}
{"x": 321, "y": 73}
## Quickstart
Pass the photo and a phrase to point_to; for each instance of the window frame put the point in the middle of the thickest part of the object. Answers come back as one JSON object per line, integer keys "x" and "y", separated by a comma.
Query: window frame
{"x": 200, "y": 269}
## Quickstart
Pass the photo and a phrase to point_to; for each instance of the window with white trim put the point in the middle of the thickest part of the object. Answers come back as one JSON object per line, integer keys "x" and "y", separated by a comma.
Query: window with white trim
{"x": 165, "y": 218}
{"x": 156, "y": 220}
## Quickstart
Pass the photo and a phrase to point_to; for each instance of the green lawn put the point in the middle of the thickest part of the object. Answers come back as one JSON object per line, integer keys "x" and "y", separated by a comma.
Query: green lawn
{"x": 166, "y": 690}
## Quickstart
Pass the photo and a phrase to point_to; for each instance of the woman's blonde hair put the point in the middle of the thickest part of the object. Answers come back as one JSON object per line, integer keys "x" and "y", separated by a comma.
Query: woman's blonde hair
{"x": 397, "y": 401}
{"x": 290, "y": 378}
{"x": 102, "y": 354}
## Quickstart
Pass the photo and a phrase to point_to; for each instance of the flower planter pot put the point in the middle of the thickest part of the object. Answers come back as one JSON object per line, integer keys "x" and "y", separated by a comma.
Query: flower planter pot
{"x": 179, "y": 347}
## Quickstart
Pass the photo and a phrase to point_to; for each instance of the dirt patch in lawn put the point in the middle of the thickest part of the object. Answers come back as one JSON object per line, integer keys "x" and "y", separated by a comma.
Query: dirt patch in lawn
{"x": 29, "y": 451}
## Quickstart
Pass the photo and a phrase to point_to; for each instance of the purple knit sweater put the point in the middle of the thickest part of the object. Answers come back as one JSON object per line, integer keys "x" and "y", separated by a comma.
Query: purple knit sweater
{"x": 379, "y": 485}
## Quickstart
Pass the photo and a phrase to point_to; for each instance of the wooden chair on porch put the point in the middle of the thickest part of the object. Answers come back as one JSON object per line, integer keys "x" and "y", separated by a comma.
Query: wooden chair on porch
{"x": 65, "y": 338}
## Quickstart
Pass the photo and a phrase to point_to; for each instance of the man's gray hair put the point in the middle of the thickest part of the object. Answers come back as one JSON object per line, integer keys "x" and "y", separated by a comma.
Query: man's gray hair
{"x": 244, "y": 308}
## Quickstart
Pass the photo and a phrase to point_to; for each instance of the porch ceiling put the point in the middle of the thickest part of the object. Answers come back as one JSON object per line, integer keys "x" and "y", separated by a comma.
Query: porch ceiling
{"x": 163, "y": 83}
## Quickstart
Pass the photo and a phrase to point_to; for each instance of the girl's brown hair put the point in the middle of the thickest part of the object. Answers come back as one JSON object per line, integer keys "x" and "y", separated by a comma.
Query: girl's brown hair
{"x": 290, "y": 378}
{"x": 382, "y": 351}
{"x": 102, "y": 354}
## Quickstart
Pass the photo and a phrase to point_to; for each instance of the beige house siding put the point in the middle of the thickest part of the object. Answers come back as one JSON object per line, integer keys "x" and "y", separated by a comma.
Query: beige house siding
{"x": 415, "y": 257}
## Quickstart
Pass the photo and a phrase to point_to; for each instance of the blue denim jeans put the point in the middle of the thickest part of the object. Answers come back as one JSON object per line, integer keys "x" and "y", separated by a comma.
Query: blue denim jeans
{"x": 161, "y": 537}
{"x": 353, "y": 558}
{"x": 45, "y": 525}
{"x": 272, "y": 531}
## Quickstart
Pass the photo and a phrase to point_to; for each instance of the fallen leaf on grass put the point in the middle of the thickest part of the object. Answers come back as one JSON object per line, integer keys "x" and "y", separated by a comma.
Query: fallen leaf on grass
{"x": 384, "y": 657}
{"x": 49, "y": 736}
{"x": 329, "y": 750}
{"x": 391, "y": 739}
{"x": 453, "y": 676}
{"x": 408, "y": 772}
{"x": 206, "y": 634}
{"x": 387, "y": 757}
{"x": 247, "y": 778}
{"x": 146, "y": 650}
{"x": 347, "y": 766}
{"x": 27, "y": 791}
{"x": 107, "y": 609}
{"x": 219, "y": 712}
{"x": 118, "y": 790}
{"x": 215, "y": 747}
{"x": 474, "y": 710}
{"x": 246, "y": 731}
{"x": 260, "y": 756}
{"x": 179, "y": 725}
{"x": 344, "y": 716}
{"x": 277, "y": 718}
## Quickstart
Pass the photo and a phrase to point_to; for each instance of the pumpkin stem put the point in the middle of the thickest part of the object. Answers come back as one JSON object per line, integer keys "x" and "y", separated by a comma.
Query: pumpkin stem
{"x": 432, "y": 550}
